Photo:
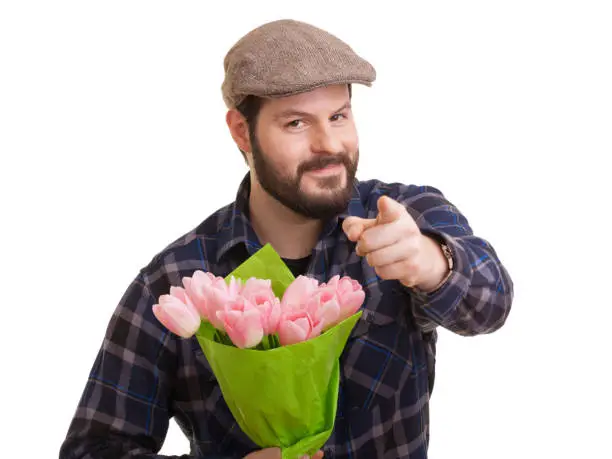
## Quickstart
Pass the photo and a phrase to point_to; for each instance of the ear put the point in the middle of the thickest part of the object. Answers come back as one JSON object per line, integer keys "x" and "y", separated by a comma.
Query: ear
{"x": 239, "y": 129}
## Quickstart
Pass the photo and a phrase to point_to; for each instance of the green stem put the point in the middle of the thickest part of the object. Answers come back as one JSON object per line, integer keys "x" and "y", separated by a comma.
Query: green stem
{"x": 223, "y": 338}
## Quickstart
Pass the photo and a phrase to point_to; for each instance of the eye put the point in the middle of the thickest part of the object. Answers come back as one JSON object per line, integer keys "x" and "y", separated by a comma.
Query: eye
{"x": 337, "y": 117}
{"x": 294, "y": 124}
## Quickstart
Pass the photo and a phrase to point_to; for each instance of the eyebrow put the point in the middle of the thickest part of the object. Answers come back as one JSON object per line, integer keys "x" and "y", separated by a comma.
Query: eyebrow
{"x": 292, "y": 112}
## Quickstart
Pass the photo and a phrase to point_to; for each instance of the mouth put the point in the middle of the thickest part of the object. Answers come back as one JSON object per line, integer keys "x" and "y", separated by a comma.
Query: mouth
{"x": 330, "y": 169}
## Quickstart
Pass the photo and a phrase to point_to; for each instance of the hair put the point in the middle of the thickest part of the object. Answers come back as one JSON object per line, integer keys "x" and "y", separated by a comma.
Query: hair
{"x": 250, "y": 107}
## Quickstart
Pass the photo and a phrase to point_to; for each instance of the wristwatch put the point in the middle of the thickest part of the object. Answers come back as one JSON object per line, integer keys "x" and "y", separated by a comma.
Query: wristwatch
{"x": 448, "y": 254}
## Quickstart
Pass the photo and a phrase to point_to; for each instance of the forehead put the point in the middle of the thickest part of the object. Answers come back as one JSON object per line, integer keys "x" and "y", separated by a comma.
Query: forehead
{"x": 318, "y": 101}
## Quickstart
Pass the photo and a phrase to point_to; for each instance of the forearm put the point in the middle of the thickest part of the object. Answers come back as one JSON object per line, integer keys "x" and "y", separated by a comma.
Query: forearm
{"x": 477, "y": 296}
{"x": 88, "y": 447}
{"x": 123, "y": 411}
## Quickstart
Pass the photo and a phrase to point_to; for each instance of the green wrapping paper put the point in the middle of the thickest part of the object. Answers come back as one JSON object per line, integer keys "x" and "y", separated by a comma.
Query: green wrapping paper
{"x": 287, "y": 396}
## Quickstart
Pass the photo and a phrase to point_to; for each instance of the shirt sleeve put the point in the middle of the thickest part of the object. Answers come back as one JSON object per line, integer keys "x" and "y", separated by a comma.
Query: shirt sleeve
{"x": 123, "y": 411}
{"x": 477, "y": 297}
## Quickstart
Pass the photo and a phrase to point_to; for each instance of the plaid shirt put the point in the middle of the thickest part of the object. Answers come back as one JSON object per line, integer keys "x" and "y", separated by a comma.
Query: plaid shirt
{"x": 143, "y": 375}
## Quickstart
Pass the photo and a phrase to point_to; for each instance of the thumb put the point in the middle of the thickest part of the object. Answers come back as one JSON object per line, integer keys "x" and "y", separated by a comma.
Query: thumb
{"x": 354, "y": 227}
{"x": 389, "y": 210}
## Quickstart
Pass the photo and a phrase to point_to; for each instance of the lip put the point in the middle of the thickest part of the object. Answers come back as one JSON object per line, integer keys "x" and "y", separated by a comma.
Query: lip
{"x": 327, "y": 170}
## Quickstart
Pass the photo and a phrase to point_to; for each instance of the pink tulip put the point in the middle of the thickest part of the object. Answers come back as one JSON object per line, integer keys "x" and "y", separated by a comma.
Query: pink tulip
{"x": 270, "y": 316}
{"x": 296, "y": 326}
{"x": 299, "y": 292}
{"x": 176, "y": 312}
{"x": 259, "y": 293}
{"x": 198, "y": 288}
{"x": 181, "y": 294}
{"x": 220, "y": 296}
{"x": 350, "y": 295}
{"x": 324, "y": 308}
{"x": 242, "y": 322}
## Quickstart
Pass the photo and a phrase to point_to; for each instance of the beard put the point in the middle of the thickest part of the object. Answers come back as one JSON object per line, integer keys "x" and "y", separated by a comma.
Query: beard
{"x": 287, "y": 190}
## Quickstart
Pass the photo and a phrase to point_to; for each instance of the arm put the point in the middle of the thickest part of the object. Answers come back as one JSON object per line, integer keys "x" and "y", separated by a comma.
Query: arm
{"x": 123, "y": 411}
{"x": 477, "y": 296}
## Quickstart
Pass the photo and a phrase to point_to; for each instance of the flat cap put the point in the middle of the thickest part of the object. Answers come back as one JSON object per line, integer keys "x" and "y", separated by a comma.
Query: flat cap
{"x": 287, "y": 57}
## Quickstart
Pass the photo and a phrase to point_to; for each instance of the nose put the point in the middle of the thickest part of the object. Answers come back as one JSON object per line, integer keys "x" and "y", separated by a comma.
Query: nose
{"x": 326, "y": 141}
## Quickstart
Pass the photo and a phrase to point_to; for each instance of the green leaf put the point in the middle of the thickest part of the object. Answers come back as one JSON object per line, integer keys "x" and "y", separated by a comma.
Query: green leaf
{"x": 265, "y": 264}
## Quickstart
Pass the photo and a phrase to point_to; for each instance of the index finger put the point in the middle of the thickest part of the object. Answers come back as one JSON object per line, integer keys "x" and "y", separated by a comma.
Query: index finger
{"x": 355, "y": 226}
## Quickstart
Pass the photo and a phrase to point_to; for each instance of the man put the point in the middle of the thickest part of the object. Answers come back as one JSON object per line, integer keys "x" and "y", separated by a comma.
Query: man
{"x": 288, "y": 91}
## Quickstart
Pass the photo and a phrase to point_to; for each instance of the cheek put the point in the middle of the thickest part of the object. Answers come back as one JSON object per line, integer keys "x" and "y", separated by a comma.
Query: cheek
{"x": 291, "y": 149}
{"x": 350, "y": 140}
{"x": 284, "y": 152}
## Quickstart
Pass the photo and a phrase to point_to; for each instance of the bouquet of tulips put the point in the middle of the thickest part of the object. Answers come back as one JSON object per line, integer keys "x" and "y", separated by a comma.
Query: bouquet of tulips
{"x": 273, "y": 342}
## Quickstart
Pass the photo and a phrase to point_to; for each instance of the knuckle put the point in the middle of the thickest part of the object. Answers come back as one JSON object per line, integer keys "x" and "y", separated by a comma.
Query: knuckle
{"x": 373, "y": 259}
{"x": 411, "y": 245}
{"x": 365, "y": 240}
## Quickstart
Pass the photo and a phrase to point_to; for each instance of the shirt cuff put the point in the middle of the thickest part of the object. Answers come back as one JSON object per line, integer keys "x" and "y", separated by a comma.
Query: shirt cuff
{"x": 442, "y": 301}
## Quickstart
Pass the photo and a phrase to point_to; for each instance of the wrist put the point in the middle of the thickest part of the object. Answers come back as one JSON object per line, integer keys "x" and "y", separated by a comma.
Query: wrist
{"x": 441, "y": 266}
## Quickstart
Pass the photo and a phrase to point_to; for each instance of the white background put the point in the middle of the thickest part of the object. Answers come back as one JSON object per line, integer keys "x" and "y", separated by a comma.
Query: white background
{"x": 114, "y": 144}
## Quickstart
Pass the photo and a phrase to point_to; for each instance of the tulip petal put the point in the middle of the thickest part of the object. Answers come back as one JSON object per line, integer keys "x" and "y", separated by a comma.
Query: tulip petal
{"x": 350, "y": 303}
{"x": 290, "y": 333}
{"x": 187, "y": 283}
{"x": 179, "y": 318}
{"x": 328, "y": 314}
{"x": 294, "y": 327}
{"x": 299, "y": 291}
{"x": 244, "y": 328}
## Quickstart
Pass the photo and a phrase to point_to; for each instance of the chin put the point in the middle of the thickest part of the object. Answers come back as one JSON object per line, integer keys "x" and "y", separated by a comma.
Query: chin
{"x": 324, "y": 186}
{"x": 323, "y": 196}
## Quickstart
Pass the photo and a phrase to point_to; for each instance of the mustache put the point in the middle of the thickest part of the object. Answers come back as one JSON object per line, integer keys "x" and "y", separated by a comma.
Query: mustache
{"x": 320, "y": 162}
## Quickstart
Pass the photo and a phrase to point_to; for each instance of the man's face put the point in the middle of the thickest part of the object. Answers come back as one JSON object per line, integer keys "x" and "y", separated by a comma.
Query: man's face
{"x": 305, "y": 151}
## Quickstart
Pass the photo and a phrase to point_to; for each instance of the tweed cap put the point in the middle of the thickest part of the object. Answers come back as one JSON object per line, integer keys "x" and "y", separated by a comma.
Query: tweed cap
{"x": 287, "y": 57}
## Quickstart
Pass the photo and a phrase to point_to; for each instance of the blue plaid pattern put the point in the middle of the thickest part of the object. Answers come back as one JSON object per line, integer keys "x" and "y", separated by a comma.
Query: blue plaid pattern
{"x": 144, "y": 376}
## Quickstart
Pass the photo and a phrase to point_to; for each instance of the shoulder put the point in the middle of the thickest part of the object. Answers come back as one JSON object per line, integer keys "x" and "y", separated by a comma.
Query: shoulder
{"x": 184, "y": 254}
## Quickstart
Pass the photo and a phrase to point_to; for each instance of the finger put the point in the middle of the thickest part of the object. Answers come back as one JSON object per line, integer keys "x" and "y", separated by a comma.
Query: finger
{"x": 394, "y": 253}
{"x": 403, "y": 270}
{"x": 353, "y": 227}
{"x": 389, "y": 210}
{"x": 378, "y": 237}
{"x": 268, "y": 453}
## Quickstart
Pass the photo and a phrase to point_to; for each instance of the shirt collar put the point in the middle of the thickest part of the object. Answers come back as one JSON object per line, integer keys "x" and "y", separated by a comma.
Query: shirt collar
{"x": 236, "y": 227}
